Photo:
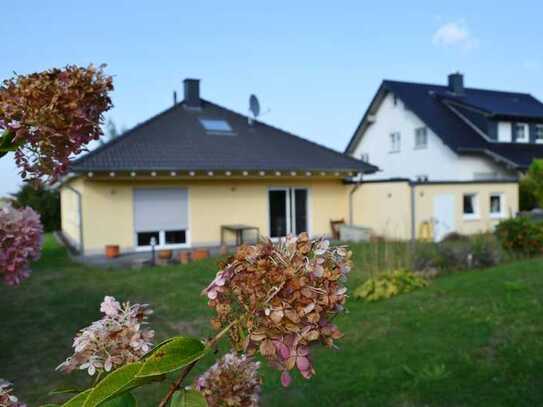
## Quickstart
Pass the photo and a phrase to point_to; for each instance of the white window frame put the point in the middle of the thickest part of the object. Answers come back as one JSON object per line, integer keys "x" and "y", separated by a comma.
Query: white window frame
{"x": 501, "y": 213}
{"x": 419, "y": 146}
{"x": 538, "y": 128}
{"x": 526, "y": 138}
{"x": 161, "y": 244}
{"x": 395, "y": 142}
{"x": 476, "y": 214}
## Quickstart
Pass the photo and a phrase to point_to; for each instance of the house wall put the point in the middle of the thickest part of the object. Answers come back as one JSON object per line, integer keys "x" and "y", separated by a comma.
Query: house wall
{"x": 425, "y": 195}
{"x": 108, "y": 207}
{"x": 69, "y": 210}
{"x": 385, "y": 207}
{"x": 437, "y": 161}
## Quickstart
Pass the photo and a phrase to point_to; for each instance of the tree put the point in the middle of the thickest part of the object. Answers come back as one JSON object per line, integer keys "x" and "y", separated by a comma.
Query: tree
{"x": 531, "y": 187}
{"x": 45, "y": 201}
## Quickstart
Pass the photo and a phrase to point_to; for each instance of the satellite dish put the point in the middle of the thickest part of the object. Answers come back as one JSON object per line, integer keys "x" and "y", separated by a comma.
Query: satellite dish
{"x": 254, "y": 106}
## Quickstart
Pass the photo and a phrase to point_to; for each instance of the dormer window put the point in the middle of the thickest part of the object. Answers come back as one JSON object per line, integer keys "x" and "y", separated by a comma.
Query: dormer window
{"x": 521, "y": 132}
{"x": 365, "y": 157}
{"x": 538, "y": 133}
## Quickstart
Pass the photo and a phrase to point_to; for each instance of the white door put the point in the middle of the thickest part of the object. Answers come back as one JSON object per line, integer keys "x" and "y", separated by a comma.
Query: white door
{"x": 443, "y": 216}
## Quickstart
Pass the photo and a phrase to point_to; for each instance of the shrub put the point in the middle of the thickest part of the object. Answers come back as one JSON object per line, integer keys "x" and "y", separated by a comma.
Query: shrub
{"x": 485, "y": 252}
{"x": 520, "y": 235}
{"x": 389, "y": 284}
{"x": 45, "y": 201}
{"x": 425, "y": 257}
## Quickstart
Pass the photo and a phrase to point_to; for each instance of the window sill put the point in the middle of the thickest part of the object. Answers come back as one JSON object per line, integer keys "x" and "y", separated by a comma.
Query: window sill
{"x": 163, "y": 247}
{"x": 470, "y": 218}
{"x": 424, "y": 147}
{"x": 497, "y": 216}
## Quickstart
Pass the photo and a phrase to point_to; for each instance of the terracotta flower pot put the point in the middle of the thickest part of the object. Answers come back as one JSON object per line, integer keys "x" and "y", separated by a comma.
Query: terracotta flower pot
{"x": 184, "y": 257}
{"x": 223, "y": 251}
{"x": 165, "y": 254}
{"x": 200, "y": 254}
{"x": 112, "y": 250}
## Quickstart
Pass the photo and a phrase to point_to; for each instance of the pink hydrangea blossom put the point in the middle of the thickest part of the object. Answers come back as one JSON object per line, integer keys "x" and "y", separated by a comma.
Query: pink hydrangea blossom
{"x": 118, "y": 338}
{"x": 281, "y": 298}
{"x": 232, "y": 381}
{"x": 20, "y": 242}
{"x": 7, "y": 398}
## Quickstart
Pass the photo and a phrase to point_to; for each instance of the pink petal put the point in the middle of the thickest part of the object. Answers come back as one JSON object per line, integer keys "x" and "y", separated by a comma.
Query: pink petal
{"x": 285, "y": 378}
{"x": 282, "y": 350}
{"x": 303, "y": 363}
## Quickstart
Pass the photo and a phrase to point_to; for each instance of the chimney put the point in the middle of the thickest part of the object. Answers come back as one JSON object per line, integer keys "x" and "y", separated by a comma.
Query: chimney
{"x": 192, "y": 93}
{"x": 456, "y": 83}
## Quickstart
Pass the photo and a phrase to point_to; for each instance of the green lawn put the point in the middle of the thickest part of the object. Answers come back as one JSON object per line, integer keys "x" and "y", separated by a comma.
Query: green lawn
{"x": 470, "y": 339}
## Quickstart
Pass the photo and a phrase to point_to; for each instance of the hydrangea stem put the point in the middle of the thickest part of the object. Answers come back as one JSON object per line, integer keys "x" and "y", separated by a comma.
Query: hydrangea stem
{"x": 184, "y": 373}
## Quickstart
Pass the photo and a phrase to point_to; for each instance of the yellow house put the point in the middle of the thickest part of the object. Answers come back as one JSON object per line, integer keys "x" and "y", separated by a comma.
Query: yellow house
{"x": 197, "y": 175}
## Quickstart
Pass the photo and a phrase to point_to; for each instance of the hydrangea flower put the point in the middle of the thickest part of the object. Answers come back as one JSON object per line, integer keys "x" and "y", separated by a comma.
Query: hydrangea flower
{"x": 20, "y": 242}
{"x": 49, "y": 116}
{"x": 231, "y": 381}
{"x": 118, "y": 338}
{"x": 7, "y": 398}
{"x": 282, "y": 298}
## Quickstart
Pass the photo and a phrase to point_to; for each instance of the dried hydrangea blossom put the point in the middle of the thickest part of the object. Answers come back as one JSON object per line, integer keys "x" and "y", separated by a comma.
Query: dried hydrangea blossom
{"x": 231, "y": 381}
{"x": 118, "y": 338}
{"x": 20, "y": 242}
{"x": 283, "y": 296}
{"x": 52, "y": 115}
{"x": 7, "y": 398}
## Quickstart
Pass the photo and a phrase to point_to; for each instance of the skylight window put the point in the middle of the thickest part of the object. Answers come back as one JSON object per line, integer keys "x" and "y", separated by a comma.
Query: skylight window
{"x": 216, "y": 126}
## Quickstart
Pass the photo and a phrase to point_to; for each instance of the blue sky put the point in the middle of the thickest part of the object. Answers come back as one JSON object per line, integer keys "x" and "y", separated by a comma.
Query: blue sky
{"x": 315, "y": 65}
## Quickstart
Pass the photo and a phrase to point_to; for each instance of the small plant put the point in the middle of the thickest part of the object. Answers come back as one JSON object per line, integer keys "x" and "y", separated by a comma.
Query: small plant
{"x": 389, "y": 284}
{"x": 20, "y": 243}
{"x": 520, "y": 235}
{"x": 485, "y": 251}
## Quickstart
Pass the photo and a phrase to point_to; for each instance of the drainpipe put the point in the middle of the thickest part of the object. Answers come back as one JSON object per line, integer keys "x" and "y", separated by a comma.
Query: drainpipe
{"x": 413, "y": 220}
{"x": 351, "y": 196}
{"x": 79, "y": 217}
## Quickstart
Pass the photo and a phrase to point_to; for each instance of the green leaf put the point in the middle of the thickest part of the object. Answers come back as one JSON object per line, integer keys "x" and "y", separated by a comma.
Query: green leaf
{"x": 188, "y": 398}
{"x": 171, "y": 356}
{"x": 115, "y": 383}
{"x": 164, "y": 342}
{"x": 65, "y": 390}
{"x": 78, "y": 400}
{"x": 124, "y": 400}
{"x": 6, "y": 142}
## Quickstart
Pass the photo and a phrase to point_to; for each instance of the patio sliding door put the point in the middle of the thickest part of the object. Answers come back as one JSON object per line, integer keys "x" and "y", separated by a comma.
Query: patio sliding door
{"x": 288, "y": 211}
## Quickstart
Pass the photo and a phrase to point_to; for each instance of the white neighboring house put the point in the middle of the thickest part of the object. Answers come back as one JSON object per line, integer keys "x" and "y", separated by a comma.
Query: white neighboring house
{"x": 448, "y": 133}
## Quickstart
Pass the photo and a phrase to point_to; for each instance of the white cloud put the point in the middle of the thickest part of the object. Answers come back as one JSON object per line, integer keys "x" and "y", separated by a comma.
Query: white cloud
{"x": 454, "y": 34}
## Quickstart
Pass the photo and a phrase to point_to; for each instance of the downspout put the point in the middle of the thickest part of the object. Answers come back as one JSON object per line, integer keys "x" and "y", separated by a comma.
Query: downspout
{"x": 79, "y": 216}
{"x": 351, "y": 196}
{"x": 413, "y": 221}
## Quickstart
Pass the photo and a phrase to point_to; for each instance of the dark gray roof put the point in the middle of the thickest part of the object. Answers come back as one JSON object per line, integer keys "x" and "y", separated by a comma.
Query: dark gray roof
{"x": 432, "y": 104}
{"x": 175, "y": 140}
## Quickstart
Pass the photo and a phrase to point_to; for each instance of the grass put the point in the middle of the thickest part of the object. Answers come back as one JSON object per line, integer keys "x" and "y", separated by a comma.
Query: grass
{"x": 470, "y": 339}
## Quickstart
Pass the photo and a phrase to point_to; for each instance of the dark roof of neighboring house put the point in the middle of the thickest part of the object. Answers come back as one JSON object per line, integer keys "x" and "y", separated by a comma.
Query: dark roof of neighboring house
{"x": 435, "y": 105}
{"x": 176, "y": 140}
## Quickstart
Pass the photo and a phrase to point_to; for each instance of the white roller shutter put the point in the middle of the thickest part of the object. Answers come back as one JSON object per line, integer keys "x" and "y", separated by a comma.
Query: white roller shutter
{"x": 158, "y": 209}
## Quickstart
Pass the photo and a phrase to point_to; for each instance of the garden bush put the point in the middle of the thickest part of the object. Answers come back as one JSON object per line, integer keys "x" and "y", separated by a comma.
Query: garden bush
{"x": 389, "y": 284}
{"x": 521, "y": 236}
